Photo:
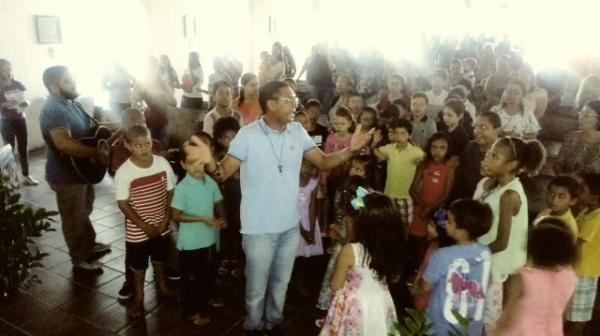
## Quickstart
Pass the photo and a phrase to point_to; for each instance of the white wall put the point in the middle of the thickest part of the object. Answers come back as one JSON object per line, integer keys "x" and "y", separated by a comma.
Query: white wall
{"x": 95, "y": 32}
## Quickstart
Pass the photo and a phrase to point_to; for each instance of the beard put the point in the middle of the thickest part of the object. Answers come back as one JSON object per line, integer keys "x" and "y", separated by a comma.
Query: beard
{"x": 69, "y": 95}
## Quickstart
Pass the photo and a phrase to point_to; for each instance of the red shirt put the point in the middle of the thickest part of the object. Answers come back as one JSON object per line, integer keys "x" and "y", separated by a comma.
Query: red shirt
{"x": 433, "y": 186}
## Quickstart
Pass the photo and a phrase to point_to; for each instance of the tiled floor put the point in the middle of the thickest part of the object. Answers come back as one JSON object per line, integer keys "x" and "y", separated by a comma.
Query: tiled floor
{"x": 79, "y": 303}
{"x": 71, "y": 302}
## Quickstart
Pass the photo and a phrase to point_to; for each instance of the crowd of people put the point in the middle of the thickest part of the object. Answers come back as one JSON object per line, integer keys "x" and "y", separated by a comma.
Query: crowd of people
{"x": 412, "y": 183}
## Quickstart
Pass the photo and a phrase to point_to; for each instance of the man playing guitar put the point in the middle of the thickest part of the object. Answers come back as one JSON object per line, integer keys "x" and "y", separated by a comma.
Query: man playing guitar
{"x": 63, "y": 121}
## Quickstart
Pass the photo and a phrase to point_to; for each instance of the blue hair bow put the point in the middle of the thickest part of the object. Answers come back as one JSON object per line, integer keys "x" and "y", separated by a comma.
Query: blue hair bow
{"x": 440, "y": 217}
{"x": 358, "y": 201}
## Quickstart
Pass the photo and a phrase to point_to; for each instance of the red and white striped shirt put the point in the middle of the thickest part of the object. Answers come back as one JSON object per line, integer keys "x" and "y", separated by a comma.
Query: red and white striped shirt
{"x": 146, "y": 191}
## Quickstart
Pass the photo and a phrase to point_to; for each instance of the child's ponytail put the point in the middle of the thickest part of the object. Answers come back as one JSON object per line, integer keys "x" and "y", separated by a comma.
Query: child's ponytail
{"x": 530, "y": 155}
{"x": 534, "y": 157}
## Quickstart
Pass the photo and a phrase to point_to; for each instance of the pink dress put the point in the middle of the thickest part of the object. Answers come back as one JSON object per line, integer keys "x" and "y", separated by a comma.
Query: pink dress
{"x": 332, "y": 145}
{"x": 540, "y": 309}
{"x": 304, "y": 197}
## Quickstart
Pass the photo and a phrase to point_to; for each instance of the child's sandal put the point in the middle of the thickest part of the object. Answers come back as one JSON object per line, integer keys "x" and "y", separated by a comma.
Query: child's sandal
{"x": 199, "y": 320}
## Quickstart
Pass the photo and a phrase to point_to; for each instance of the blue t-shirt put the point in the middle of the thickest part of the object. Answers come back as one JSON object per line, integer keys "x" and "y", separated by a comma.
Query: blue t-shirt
{"x": 196, "y": 198}
{"x": 269, "y": 194}
{"x": 460, "y": 274}
{"x": 57, "y": 113}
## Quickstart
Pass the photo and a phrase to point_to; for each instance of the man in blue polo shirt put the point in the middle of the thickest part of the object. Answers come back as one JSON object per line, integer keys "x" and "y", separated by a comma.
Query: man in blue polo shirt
{"x": 63, "y": 121}
{"x": 269, "y": 153}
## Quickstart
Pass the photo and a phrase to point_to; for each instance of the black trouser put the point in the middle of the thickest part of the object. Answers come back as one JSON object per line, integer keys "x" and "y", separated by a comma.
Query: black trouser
{"x": 198, "y": 275}
{"x": 416, "y": 247}
{"x": 12, "y": 129}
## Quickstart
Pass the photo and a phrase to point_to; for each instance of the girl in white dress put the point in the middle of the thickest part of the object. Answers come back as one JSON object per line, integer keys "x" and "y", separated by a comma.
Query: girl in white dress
{"x": 363, "y": 304}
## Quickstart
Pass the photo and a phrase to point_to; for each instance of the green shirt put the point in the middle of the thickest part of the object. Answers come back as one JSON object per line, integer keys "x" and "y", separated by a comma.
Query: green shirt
{"x": 196, "y": 198}
{"x": 401, "y": 167}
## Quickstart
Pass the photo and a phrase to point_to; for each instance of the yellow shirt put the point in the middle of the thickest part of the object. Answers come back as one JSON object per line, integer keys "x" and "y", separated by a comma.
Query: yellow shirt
{"x": 401, "y": 167}
{"x": 567, "y": 217}
{"x": 589, "y": 235}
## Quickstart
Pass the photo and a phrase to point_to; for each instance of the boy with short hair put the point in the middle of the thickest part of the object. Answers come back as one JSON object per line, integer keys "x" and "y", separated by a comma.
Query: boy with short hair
{"x": 120, "y": 154}
{"x": 437, "y": 95}
{"x": 587, "y": 268}
{"x": 402, "y": 158}
{"x": 197, "y": 198}
{"x": 459, "y": 274}
{"x": 144, "y": 185}
{"x": 314, "y": 126}
{"x": 423, "y": 126}
{"x": 562, "y": 195}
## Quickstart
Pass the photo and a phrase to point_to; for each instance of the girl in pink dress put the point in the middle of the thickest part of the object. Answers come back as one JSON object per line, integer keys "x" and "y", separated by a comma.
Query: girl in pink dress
{"x": 332, "y": 180}
{"x": 540, "y": 291}
{"x": 311, "y": 243}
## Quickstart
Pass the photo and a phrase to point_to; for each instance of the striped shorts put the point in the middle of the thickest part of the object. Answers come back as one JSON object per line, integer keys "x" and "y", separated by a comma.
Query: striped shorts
{"x": 581, "y": 307}
{"x": 405, "y": 205}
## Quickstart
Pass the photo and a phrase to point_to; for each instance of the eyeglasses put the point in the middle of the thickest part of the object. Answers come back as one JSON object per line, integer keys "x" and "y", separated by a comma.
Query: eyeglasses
{"x": 294, "y": 101}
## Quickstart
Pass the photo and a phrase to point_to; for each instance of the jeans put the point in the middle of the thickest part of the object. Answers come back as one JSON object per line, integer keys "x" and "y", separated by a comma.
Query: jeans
{"x": 75, "y": 204}
{"x": 12, "y": 129}
{"x": 269, "y": 263}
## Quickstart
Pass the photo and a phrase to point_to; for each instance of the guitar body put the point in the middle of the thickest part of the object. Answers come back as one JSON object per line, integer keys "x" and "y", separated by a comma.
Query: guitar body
{"x": 91, "y": 170}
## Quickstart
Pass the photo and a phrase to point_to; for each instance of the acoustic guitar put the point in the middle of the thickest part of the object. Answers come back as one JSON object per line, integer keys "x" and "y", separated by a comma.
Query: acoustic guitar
{"x": 91, "y": 170}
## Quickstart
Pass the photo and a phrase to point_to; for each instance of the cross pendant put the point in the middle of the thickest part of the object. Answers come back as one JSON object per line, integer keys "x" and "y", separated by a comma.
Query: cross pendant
{"x": 280, "y": 168}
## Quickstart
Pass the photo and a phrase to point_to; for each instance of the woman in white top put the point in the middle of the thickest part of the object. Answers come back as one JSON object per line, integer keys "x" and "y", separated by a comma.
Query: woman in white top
{"x": 517, "y": 121}
{"x": 192, "y": 81}
{"x": 536, "y": 98}
{"x": 277, "y": 67}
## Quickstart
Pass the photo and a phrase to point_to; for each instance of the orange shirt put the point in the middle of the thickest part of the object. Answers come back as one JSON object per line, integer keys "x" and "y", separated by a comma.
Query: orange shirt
{"x": 250, "y": 110}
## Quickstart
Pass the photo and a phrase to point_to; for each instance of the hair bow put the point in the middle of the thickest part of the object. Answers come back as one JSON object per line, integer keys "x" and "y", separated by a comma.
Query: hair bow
{"x": 358, "y": 201}
{"x": 440, "y": 217}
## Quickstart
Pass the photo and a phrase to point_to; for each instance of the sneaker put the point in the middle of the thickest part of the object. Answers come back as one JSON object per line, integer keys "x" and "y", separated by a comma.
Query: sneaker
{"x": 172, "y": 274}
{"x": 88, "y": 266}
{"x": 100, "y": 248}
{"x": 125, "y": 292}
{"x": 30, "y": 181}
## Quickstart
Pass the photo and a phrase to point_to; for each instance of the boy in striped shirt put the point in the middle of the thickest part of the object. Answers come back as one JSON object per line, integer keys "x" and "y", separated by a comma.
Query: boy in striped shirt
{"x": 144, "y": 188}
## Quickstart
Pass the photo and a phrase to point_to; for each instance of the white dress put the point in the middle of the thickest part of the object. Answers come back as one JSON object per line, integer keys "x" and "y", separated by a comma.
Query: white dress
{"x": 363, "y": 306}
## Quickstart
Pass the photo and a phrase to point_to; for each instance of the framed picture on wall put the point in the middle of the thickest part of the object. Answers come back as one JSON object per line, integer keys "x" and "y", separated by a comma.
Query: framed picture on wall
{"x": 48, "y": 29}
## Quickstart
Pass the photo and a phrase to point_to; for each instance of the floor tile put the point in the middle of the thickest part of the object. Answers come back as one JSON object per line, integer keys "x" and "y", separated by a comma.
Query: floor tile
{"x": 19, "y": 308}
{"x": 55, "y": 289}
{"x": 89, "y": 304}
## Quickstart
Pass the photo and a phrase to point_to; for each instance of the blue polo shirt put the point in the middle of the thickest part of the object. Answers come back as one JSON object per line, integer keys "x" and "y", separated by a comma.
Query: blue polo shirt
{"x": 56, "y": 113}
{"x": 269, "y": 196}
{"x": 196, "y": 198}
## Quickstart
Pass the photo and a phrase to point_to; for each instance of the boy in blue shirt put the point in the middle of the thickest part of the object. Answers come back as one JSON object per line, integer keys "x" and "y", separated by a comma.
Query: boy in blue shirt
{"x": 458, "y": 275}
{"x": 197, "y": 198}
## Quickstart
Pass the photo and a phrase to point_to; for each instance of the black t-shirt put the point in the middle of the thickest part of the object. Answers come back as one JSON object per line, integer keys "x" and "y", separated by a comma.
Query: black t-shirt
{"x": 458, "y": 140}
{"x": 12, "y": 91}
{"x": 468, "y": 173}
{"x": 318, "y": 72}
{"x": 319, "y": 135}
